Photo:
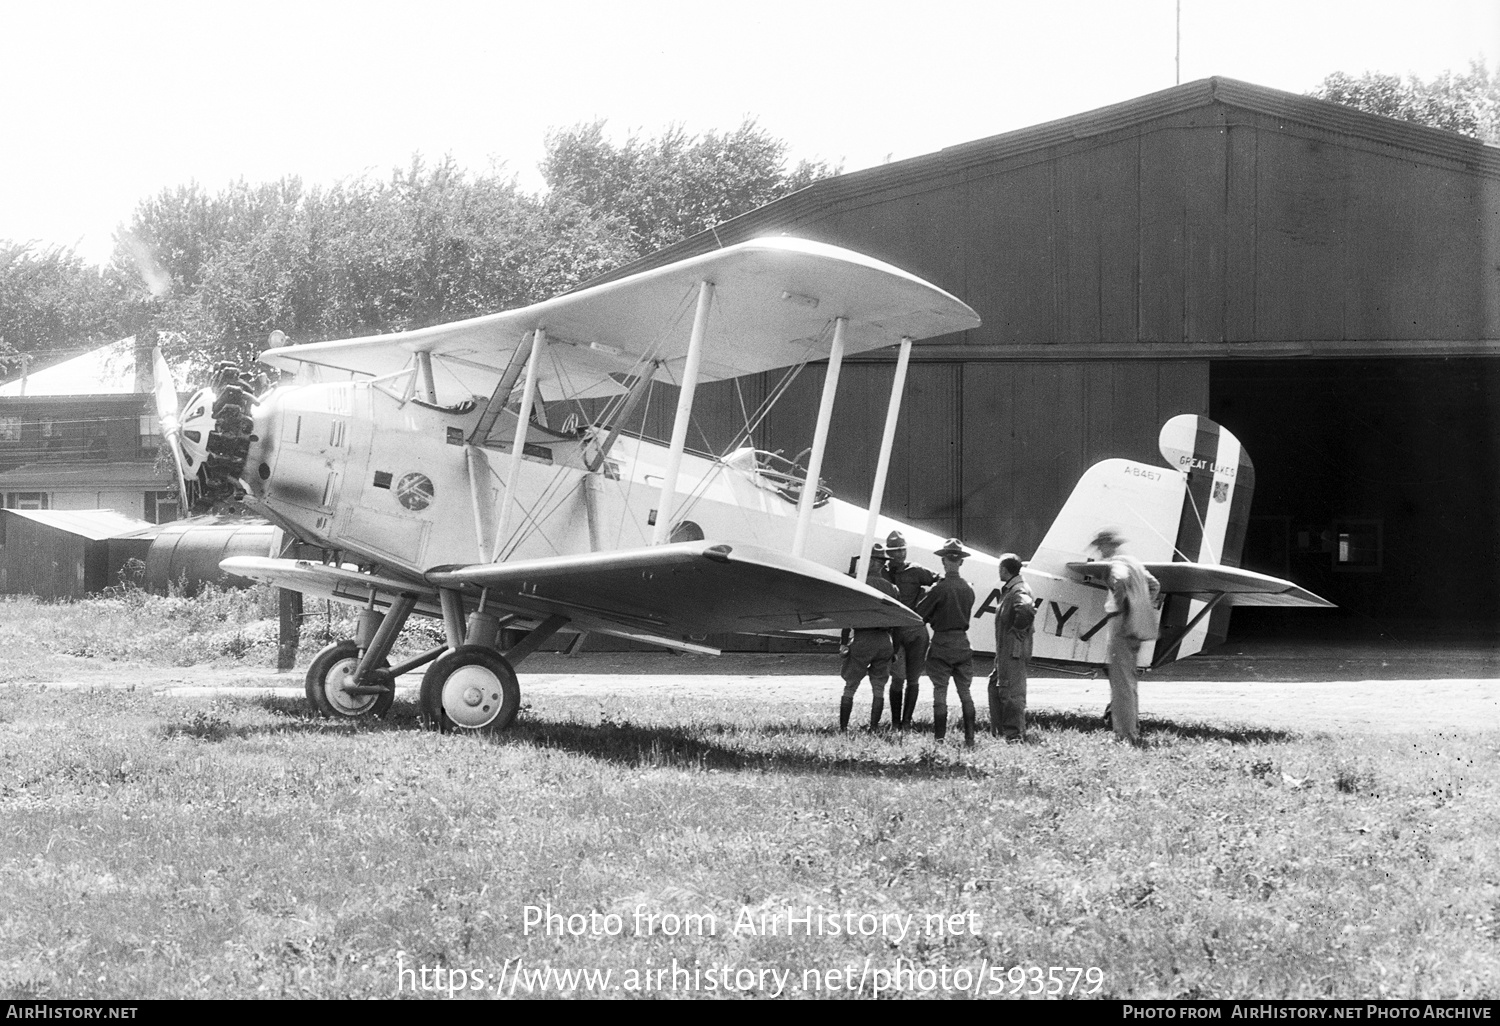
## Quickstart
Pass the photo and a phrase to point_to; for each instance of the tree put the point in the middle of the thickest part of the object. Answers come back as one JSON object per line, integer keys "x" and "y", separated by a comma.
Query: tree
{"x": 428, "y": 245}
{"x": 677, "y": 185}
{"x": 1467, "y": 103}
{"x": 51, "y": 300}
{"x": 217, "y": 272}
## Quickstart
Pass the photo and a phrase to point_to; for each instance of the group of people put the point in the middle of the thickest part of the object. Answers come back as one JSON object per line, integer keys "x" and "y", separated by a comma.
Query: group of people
{"x": 946, "y": 605}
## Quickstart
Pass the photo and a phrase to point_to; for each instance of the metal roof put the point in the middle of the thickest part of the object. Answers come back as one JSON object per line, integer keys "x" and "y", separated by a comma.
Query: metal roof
{"x": 93, "y": 524}
{"x": 107, "y": 370}
{"x": 789, "y": 212}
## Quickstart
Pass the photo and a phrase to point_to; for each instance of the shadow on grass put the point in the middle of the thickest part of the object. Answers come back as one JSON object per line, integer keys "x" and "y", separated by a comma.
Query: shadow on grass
{"x": 773, "y": 747}
{"x": 795, "y": 749}
{"x": 1162, "y": 730}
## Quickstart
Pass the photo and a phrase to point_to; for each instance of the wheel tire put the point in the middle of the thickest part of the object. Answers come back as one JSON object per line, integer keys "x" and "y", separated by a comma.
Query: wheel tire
{"x": 330, "y": 670}
{"x": 471, "y": 689}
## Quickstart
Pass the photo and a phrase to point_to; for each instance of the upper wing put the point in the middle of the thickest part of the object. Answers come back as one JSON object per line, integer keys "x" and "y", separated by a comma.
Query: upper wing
{"x": 691, "y": 588}
{"x": 774, "y": 300}
{"x": 1205, "y": 580}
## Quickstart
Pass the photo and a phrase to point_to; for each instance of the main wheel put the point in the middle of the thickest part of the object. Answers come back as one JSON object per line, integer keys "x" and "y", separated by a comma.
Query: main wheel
{"x": 331, "y": 670}
{"x": 470, "y": 688}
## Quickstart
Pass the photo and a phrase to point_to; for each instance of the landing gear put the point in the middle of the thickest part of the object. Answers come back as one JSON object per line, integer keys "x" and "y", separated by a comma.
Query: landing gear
{"x": 330, "y": 685}
{"x": 472, "y": 688}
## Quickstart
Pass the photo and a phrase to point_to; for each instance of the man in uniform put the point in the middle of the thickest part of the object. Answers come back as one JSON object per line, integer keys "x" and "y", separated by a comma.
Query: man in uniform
{"x": 1132, "y": 593}
{"x": 911, "y": 642}
{"x": 868, "y": 651}
{"x": 947, "y": 606}
{"x": 1013, "y": 625}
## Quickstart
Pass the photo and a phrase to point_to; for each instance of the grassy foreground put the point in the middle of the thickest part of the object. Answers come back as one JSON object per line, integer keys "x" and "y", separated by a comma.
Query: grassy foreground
{"x": 160, "y": 847}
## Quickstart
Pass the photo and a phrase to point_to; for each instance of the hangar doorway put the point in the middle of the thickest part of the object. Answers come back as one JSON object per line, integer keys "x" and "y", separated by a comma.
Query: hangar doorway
{"x": 1377, "y": 483}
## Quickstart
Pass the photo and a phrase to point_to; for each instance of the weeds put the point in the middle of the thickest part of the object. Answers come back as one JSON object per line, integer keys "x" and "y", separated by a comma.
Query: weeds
{"x": 204, "y": 726}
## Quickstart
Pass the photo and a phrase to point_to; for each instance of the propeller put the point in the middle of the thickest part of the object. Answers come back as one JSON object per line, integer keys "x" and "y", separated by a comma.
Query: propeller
{"x": 187, "y": 432}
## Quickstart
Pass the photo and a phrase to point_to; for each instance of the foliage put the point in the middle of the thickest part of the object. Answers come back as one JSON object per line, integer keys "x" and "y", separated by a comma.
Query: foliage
{"x": 428, "y": 245}
{"x": 216, "y": 272}
{"x": 1465, "y": 103}
{"x": 51, "y": 299}
{"x": 677, "y": 185}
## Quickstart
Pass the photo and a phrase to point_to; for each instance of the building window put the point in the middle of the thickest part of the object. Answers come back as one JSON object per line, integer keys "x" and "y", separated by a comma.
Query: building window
{"x": 1357, "y": 545}
{"x": 50, "y": 428}
{"x": 10, "y": 429}
{"x": 27, "y": 500}
{"x": 150, "y": 432}
{"x": 163, "y": 507}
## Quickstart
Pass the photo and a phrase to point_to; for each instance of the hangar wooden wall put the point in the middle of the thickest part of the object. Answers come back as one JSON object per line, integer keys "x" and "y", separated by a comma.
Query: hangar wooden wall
{"x": 1114, "y": 257}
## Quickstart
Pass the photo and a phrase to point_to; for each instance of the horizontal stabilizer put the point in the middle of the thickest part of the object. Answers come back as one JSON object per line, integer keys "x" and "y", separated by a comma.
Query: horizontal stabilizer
{"x": 695, "y": 588}
{"x": 1203, "y": 581}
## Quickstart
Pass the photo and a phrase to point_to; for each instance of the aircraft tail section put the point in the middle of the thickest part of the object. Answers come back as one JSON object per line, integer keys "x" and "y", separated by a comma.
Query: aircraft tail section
{"x": 1215, "y": 517}
{"x": 1195, "y": 510}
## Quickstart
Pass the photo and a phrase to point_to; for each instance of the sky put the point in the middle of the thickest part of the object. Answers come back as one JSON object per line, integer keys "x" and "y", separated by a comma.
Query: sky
{"x": 108, "y": 103}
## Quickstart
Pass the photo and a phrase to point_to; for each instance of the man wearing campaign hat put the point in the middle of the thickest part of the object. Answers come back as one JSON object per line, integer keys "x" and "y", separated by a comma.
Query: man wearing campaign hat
{"x": 911, "y": 642}
{"x": 869, "y": 651}
{"x": 1132, "y": 594}
{"x": 1014, "y": 619}
{"x": 947, "y": 606}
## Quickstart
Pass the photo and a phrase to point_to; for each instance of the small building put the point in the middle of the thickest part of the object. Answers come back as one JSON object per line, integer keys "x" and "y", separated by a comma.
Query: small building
{"x": 83, "y": 434}
{"x": 67, "y": 554}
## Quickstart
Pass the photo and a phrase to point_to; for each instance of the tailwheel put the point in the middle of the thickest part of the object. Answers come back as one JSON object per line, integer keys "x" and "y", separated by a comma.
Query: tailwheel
{"x": 332, "y": 671}
{"x": 472, "y": 688}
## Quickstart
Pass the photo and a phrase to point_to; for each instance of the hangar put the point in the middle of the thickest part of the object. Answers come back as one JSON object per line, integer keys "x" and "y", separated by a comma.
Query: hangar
{"x": 1324, "y": 282}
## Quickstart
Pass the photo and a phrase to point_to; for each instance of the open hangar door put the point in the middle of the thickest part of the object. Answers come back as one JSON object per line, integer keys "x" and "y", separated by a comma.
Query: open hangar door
{"x": 1377, "y": 482}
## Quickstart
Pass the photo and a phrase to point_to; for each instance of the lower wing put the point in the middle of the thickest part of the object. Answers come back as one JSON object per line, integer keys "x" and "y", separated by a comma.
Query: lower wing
{"x": 694, "y": 588}
{"x": 666, "y": 594}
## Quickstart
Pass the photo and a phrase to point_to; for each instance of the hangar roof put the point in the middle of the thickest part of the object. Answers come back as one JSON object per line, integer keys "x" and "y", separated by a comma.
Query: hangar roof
{"x": 1448, "y": 148}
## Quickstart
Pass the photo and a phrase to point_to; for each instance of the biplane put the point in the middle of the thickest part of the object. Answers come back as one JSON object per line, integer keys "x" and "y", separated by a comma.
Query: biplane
{"x": 481, "y": 473}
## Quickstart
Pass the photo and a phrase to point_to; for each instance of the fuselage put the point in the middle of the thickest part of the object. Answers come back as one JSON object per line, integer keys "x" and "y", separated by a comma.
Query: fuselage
{"x": 392, "y": 481}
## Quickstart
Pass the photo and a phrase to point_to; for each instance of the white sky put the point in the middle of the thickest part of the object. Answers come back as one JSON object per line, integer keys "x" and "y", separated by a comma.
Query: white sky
{"x": 107, "y": 103}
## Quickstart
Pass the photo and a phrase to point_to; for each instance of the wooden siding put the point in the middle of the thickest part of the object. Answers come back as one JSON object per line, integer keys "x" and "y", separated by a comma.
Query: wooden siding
{"x": 1216, "y": 224}
{"x": 1031, "y": 429}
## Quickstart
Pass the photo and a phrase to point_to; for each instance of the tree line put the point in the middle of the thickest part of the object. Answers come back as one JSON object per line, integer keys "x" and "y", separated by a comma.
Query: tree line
{"x": 216, "y": 272}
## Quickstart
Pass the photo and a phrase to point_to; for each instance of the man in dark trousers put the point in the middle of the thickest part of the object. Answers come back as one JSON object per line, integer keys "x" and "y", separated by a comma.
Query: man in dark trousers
{"x": 1014, "y": 620}
{"x": 910, "y": 642}
{"x": 868, "y": 651}
{"x": 947, "y": 606}
{"x": 1132, "y": 595}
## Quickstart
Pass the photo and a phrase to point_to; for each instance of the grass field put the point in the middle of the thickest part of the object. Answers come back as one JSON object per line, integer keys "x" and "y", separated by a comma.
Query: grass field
{"x": 162, "y": 847}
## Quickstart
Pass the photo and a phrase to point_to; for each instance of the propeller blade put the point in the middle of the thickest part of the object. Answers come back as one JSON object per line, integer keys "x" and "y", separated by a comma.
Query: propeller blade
{"x": 166, "y": 412}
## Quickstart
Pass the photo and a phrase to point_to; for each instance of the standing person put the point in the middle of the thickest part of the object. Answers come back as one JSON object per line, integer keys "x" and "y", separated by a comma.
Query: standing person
{"x": 869, "y": 651}
{"x": 1132, "y": 593}
{"x": 947, "y": 607}
{"x": 910, "y": 642}
{"x": 1014, "y": 621}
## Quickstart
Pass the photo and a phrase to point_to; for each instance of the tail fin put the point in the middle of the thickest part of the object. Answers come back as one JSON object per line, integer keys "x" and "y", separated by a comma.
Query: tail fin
{"x": 1194, "y": 510}
{"x": 1215, "y": 516}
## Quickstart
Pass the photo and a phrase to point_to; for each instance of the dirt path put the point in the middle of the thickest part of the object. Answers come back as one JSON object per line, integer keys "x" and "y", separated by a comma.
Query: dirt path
{"x": 1320, "y": 699}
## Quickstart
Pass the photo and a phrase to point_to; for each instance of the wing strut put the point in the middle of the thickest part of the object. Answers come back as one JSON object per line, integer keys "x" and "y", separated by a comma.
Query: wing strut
{"x": 645, "y": 371}
{"x": 518, "y": 444}
{"x": 684, "y": 414}
{"x": 519, "y": 360}
{"x": 820, "y": 439}
{"x": 424, "y": 372}
{"x": 883, "y": 464}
